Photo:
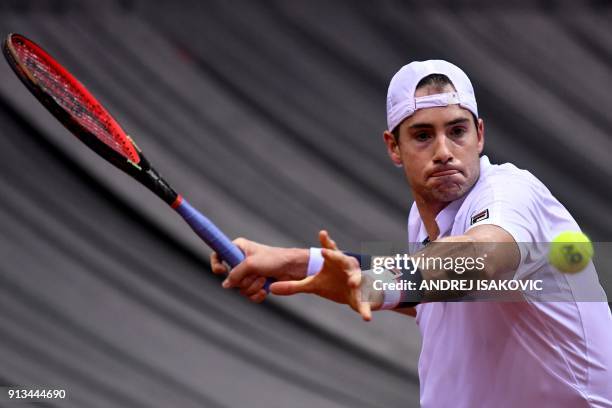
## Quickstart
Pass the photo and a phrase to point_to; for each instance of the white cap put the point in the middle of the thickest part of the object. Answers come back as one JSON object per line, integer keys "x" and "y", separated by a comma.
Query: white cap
{"x": 401, "y": 102}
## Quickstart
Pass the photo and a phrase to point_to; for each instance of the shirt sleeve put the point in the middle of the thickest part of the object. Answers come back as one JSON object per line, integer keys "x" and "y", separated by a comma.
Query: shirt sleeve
{"x": 509, "y": 204}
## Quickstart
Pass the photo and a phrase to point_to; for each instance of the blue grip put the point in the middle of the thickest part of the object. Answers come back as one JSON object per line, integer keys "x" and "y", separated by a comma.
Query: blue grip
{"x": 213, "y": 236}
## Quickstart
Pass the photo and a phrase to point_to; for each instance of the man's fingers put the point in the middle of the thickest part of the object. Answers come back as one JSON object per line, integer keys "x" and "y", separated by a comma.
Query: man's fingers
{"x": 287, "y": 288}
{"x": 333, "y": 256}
{"x": 365, "y": 310}
{"x": 343, "y": 261}
{"x": 251, "y": 286}
{"x": 246, "y": 282}
{"x": 361, "y": 305}
{"x": 216, "y": 264}
{"x": 326, "y": 241}
{"x": 258, "y": 297}
{"x": 218, "y": 267}
{"x": 347, "y": 264}
{"x": 236, "y": 275}
{"x": 354, "y": 280}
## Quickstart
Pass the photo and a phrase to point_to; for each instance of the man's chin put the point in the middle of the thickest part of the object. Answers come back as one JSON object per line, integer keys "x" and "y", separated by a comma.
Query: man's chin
{"x": 448, "y": 193}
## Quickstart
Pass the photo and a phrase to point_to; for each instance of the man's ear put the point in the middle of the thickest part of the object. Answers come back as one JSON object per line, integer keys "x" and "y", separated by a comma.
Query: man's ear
{"x": 480, "y": 134}
{"x": 392, "y": 148}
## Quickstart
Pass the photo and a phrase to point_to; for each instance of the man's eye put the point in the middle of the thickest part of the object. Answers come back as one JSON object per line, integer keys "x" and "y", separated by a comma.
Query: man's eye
{"x": 458, "y": 132}
{"x": 421, "y": 137}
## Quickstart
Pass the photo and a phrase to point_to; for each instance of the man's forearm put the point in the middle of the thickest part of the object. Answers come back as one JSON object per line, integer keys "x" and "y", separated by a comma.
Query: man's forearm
{"x": 492, "y": 260}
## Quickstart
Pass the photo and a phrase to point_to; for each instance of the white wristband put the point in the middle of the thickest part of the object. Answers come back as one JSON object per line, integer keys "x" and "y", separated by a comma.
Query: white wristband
{"x": 315, "y": 262}
{"x": 391, "y": 298}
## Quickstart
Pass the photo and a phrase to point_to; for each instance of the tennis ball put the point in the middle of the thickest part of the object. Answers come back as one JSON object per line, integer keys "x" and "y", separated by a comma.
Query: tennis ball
{"x": 570, "y": 251}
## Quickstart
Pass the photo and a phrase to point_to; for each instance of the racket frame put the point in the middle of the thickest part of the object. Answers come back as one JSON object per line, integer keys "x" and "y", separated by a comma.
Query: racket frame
{"x": 138, "y": 167}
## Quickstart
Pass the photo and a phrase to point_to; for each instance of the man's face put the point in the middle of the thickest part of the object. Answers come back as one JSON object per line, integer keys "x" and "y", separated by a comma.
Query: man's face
{"x": 439, "y": 150}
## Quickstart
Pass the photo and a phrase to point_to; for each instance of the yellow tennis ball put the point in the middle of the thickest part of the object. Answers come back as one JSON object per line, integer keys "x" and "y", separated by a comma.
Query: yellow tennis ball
{"x": 570, "y": 251}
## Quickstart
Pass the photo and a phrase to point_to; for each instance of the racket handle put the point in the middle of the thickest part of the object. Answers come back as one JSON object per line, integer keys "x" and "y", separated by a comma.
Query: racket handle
{"x": 213, "y": 236}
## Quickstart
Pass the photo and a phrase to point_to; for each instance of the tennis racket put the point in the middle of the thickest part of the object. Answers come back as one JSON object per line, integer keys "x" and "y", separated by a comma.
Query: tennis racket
{"x": 83, "y": 115}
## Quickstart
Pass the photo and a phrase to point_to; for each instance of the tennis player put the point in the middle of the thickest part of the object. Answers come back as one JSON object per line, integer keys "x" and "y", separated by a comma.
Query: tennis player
{"x": 524, "y": 353}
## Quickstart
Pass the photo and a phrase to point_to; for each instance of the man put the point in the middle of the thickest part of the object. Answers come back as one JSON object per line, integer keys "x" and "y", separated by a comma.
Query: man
{"x": 474, "y": 354}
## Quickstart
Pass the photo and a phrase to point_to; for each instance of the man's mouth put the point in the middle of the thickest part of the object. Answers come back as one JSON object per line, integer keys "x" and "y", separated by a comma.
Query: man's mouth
{"x": 442, "y": 173}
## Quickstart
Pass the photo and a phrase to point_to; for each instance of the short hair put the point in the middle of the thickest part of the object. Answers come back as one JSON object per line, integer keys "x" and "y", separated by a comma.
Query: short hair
{"x": 438, "y": 82}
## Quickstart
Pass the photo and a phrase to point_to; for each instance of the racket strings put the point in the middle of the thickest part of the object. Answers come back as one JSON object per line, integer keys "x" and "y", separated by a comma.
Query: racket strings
{"x": 91, "y": 115}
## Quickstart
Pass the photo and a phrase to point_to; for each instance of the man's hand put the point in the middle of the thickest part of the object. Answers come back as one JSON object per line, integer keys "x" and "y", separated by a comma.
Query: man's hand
{"x": 339, "y": 280}
{"x": 261, "y": 262}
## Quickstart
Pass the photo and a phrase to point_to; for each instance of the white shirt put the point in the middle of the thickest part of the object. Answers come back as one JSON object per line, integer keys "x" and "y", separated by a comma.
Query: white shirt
{"x": 515, "y": 354}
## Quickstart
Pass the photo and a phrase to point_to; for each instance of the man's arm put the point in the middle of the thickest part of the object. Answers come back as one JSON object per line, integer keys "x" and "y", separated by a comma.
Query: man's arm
{"x": 342, "y": 280}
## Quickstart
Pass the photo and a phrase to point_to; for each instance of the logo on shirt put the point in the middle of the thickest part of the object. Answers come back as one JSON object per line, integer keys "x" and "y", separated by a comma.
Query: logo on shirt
{"x": 483, "y": 215}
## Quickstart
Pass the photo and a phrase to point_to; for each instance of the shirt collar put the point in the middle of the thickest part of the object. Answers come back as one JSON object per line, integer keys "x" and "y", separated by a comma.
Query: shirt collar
{"x": 446, "y": 218}
{"x": 485, "y": 165}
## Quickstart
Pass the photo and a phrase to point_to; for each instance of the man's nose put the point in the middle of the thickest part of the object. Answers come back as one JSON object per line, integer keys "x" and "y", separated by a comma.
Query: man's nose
{"x": 442, "y": 153}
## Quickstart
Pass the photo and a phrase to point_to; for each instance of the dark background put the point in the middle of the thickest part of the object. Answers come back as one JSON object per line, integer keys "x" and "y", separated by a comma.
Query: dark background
{"x": 268, "y": 116}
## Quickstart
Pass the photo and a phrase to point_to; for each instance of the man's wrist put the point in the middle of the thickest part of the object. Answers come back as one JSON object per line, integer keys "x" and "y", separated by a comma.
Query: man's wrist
{"x": 369, "y": 292}
{"x": 315, "y": 261}
{"x": 403, "y": 290}
{"x": 298, "y": 260}
{"x": 391, "y": 297}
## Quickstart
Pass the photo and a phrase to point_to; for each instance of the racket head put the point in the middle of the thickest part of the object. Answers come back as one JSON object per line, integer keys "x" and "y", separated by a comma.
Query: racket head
{"x": 79, "y": 111}
{"x": 67, "y": 98}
